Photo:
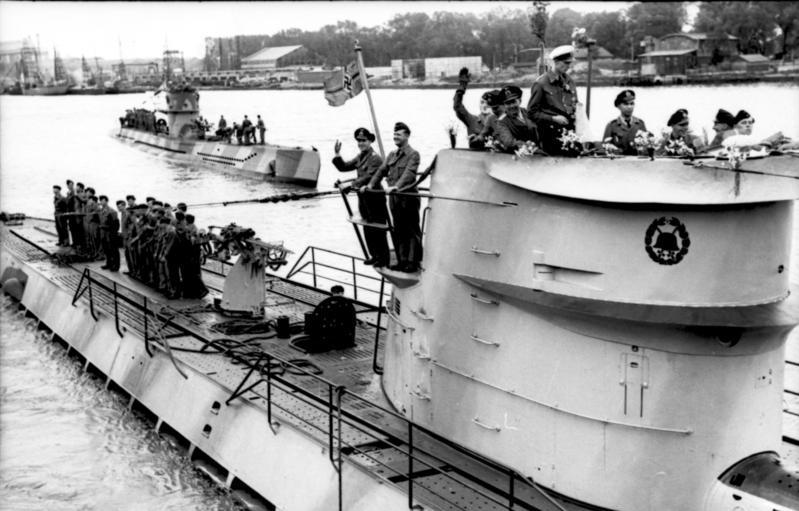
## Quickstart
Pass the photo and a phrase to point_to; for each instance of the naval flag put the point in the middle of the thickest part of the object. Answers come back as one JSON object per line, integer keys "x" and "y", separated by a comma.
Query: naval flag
{"x": 343, "y": 84}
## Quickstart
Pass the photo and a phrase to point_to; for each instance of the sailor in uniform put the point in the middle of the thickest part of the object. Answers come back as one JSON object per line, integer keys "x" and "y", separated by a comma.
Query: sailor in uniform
{"x": 723, "y": 126}
{"x": 621, "y": 131}
{"x": 553, "y": 101}
{"x": 371, "y": 206}
{"x": 744, "y": 122}
{"x": 108, "y": 228}
{"x": 514, "y": 127}
{"x": 399, "y": 169}
{"x": 680, "y": 130}
{"x": 261, "y": 129}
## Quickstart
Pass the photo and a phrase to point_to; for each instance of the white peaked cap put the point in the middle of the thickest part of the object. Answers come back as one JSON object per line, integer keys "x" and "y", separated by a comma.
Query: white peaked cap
{"x": 561, "y": 51}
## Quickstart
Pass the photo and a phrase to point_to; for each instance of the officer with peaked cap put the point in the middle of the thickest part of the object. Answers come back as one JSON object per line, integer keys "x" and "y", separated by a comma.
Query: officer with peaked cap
{"x": 622, "y": 130}
{"x": 400, "y": 169}
{"x": 514, "y": 128}
{"x": 371, "y": 206}
{"x": 553, "y": 101}
{"x": 474, "y": 123}
{"x": 680, "y": 130}
{"x": 723, "y": 126}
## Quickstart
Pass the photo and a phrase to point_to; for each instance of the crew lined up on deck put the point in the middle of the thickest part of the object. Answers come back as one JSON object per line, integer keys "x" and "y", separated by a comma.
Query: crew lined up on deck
{"x": 551, "y": 113}
{"x": 162, "y": 245}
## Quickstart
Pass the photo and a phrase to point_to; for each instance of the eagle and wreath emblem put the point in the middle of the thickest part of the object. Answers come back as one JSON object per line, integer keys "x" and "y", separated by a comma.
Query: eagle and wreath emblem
{"x": 667, "y": 240}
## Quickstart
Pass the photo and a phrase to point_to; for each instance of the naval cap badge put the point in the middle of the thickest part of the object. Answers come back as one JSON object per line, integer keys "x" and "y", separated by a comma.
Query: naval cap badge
{"x": 666, "y": 240}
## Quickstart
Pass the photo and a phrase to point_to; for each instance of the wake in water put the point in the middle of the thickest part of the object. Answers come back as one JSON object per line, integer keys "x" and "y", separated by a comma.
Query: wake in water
{"x": 67, "y": 443}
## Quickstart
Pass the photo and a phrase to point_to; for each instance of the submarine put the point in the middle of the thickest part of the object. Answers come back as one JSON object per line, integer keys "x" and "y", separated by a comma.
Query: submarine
{"x": 584, "y": 334}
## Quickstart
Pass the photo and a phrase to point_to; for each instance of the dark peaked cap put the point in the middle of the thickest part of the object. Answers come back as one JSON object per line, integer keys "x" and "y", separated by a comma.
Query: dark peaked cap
{"x": 402, "y": 126}
{"x": 724, "y": 117}
{"x": 741, "y": 115}
{"x": 511, "y": 92}
{"x": 678, "y": 117}
{"x": 624, "y": 96}
{"x": 365, "y": 133}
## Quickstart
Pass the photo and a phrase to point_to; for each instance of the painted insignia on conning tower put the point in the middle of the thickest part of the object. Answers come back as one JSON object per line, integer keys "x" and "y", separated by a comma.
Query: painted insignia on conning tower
{"x": 666, "y": 240}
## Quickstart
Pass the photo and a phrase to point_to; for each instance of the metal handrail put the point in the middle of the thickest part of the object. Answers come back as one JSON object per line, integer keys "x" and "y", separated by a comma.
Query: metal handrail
{"x": 337, "y": 414}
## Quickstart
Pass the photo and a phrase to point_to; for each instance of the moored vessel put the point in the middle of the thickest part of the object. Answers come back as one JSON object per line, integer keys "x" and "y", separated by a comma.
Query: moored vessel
{"x": 584, "y": 334}
{"x": 175, "y": 127}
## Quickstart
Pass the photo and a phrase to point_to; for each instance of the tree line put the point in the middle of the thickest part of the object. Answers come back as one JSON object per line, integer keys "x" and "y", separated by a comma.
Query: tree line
{"x": 497, "y": 36}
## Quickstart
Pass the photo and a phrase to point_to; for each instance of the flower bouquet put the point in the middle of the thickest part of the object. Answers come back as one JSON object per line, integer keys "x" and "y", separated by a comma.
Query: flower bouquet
{"x": 645, "y": 143}
{"x": 493, "y": 144}
{"x": 570, "y": 142}
{"x": 610, "y": 148}
{"x": 452, "y": 131}
{"x": 525, "y": 150}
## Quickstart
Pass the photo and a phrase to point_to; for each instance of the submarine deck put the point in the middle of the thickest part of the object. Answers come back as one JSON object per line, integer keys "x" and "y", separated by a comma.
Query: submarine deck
{"x": 299, "y": 389}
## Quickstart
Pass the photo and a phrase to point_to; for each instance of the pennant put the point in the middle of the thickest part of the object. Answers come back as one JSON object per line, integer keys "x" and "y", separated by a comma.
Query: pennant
{"x": 343, "y": 84}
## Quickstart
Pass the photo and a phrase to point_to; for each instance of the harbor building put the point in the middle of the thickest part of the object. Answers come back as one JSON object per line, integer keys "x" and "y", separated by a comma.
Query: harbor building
{"x": 428, "y": 69}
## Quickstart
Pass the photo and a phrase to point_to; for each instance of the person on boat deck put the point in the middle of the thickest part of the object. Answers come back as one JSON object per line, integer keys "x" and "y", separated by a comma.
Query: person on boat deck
{"x": 333, "y": 322}
{"x": 400, "y": 169}
{"x": 237, "y": 131}
{"x": 723, "y": 126}
{"x": 191, "y": 271}
{"x": 494, "y": 99}
{"x": 553, "y": 101}
{"x": 247, "y": 130}
{"x": 222, "y": 124}
{"x": 124, "y": 214}
{"x": 60, "y": 209}
{"x": 744, "y": 123}
{"x": 108, "y": 228}
{"x": 75, "y": 218}
{"x": 622, "y": 130}
{"x": 474, "y": 123}
{"x": 169, "y": 259}
{"x": 514, "y": 128}
{"x": 92, "y": 224}
{"x": 371, "y": 206}
{"x": 261, "y": 129}
{"x": 680, "y": 130}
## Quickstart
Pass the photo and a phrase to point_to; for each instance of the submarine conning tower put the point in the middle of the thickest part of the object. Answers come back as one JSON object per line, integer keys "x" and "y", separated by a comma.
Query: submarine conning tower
{"x": 613, "y": 328}
{"x": 181, "y": 104}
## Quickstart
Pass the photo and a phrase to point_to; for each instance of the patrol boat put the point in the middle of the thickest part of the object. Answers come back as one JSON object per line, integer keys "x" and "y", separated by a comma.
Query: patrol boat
{"x": 585, "y": 334}
{"x": 179, "y": 132}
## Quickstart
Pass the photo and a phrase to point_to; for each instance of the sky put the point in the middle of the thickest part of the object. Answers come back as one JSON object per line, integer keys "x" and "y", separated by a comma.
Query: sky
{"x": 111, "y": 30}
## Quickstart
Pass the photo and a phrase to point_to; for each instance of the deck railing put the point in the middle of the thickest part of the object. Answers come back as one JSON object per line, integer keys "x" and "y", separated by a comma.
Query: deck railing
{"x": 338, "y": 409}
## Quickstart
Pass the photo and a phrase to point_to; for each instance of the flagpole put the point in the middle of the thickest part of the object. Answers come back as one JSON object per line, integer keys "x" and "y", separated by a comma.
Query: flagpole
{"x": 365, "y": 83}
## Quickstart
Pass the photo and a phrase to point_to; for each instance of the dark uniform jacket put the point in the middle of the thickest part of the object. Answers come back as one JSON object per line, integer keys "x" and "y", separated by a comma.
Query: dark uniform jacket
{"x": 366, "y": 163}
{"x": 622, "y": 134}
{"x": 552, "y": 95}
{"x": 399, "y": 169}
{"x": 60, "y": 205}
{"x": 474, "y": 123}
{"x": 514, "y": 131}
{"x": 489, "y": 126}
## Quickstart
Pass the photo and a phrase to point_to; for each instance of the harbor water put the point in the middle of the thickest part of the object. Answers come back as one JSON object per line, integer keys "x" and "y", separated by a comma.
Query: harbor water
{"x": 67, "y": 444}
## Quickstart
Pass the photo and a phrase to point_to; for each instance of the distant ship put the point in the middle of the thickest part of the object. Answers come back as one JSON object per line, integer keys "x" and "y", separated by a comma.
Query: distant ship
{"x": 174, "y": 125}
{"x": 34, "y": 82}
{"x": 92, "y": 83}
